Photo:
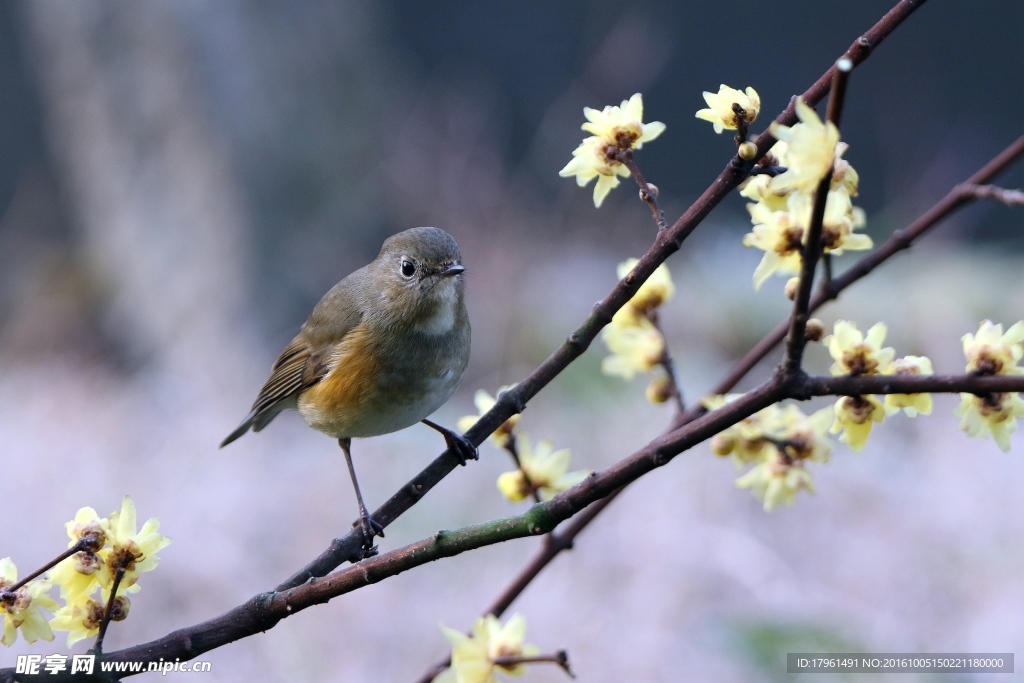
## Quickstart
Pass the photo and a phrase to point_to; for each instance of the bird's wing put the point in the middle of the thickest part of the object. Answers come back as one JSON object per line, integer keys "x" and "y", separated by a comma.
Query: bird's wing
{"x": 307, "y": 359}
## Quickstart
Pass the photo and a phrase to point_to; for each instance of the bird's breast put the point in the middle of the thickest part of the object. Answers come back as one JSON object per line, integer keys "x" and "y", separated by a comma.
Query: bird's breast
{"x": 381, "y": 380}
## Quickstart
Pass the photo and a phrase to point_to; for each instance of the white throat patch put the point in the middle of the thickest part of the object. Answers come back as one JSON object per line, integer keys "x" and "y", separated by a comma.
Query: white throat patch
{"x": 443, "y": 319}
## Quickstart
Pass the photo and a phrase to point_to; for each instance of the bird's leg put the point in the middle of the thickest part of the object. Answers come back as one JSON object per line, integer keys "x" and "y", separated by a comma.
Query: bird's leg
{"x": 368, "y": 525}
{"x": 459, "y": 444}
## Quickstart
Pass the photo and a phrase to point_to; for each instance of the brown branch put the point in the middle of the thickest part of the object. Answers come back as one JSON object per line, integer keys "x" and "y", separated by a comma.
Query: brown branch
{"x": 513, "y": 450}
{"x": 666, "y": 362}
{"x": 82, "y": 544}
{"x": 648, "y": 192}
{"x": 1000, "y": 194}
{"x": 812, "y": 244}
{"x": 108, "y": 612}
{"x": 561, "y": 658}
{"x": 855, "y": 385}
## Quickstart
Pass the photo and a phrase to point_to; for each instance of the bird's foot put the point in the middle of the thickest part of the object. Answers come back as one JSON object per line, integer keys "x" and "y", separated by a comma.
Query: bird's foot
{"x": 462, "y": 447}
{"x": 369, "y": 528}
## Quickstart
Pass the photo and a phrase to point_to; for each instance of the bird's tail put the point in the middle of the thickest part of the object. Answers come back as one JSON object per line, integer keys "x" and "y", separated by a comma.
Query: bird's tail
{"x": 242, "y": 429}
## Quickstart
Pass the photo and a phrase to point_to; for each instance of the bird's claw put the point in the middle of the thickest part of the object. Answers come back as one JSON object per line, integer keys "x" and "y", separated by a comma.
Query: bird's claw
{"x": 369, "y": 528}
{"x": 462, "y": 448}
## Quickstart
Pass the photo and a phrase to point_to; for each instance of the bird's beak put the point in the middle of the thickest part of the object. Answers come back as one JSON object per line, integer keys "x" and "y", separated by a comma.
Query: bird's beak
{"x": 453, "y": 269}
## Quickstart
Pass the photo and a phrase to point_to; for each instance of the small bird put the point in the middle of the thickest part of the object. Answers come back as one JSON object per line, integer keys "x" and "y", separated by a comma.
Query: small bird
{"x": 382, "y": 350}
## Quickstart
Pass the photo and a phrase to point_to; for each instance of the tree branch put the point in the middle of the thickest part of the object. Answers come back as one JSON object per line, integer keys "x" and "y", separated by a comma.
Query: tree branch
{"x": 999, "y": 194}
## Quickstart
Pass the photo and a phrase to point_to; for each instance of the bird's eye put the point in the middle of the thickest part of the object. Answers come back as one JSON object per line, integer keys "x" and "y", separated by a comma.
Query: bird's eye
{"x": 408, "y": 268}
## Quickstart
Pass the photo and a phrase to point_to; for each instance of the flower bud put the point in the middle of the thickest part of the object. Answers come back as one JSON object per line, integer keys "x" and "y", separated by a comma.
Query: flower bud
{"x": 659, "y": 390}
{"x": 792, "y": 285}
{"x": 815, "y": 330}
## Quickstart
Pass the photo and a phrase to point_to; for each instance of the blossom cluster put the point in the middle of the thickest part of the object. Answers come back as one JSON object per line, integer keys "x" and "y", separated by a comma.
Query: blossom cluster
{"x": 111, "y": 548}
{"x": 781, "y": 212}
{"x": 989, "y": 352}
{"x": 615, "y": 130}
{"x": 634, "y": 340}
{"x": 992, "y": 352}
{"x": 778, "y": 441}
{"x": 857, "y": 354}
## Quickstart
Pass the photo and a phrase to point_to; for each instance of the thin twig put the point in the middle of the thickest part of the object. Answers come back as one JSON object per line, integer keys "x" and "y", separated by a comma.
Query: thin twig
{"x": 561, "y": 658}
{"x": 648, "y": 192}
{"x": 1000, "y": 194}
{"x": 82, "y": 544}
{"x": 795, "y": 342}
{"x": 742, "y": 124}
{"x": 666, "y": 362}
{"x": 513, "y": 450}
{"x": 108, "y": 612}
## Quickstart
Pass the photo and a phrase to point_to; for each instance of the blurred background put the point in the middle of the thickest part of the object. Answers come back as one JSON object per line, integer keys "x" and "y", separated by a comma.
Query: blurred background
{"x": 181, "y": 181}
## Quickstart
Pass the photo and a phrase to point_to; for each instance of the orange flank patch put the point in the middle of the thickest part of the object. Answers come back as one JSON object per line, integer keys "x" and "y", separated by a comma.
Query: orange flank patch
{"x": 334, "y": 403}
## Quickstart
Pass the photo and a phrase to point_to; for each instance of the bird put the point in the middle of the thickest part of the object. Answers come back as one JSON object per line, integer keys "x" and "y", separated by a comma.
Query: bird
{"x": 382, "y": 350}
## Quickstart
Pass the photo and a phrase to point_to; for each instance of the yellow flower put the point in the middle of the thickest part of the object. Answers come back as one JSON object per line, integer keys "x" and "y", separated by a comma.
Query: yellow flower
{"x": 780, "y": 235}
{"x": 854, "y": 418}
{"x": 635, "y": 343}
{"x": 614, "y": 129}
{"x": 623, "y": 126}
{"x": 501, "y": 436}
{"x": 755, "y": 437}
{"x": 720, "y": 112}
{"x": 810, "y": 152}
{"x": 994, "y": 414}
{"x": 473, "y": 656}
{"x": 802, "y": 437}
{"x": 79, "y": 574}
{"x": 80, "y": 617}
{"x": 843, "y": 174}
{"x": 543, "y": 467}
{"x": 776, "y": 481}
{"x": 135, "y": 551}
{"x": 20, "y": 608}
{"x": 840, "y": 221}
{"x": 756, "y": 189}
{"x": 745, "y": 441}
{"x": 990, "y": 352}
{"x": 660, "y": 389}
{"x": 590, "y": 160}
{"x": 911, "y": 404}
{"x": 855, "y": 354}
{"x": 654, "y": 292}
